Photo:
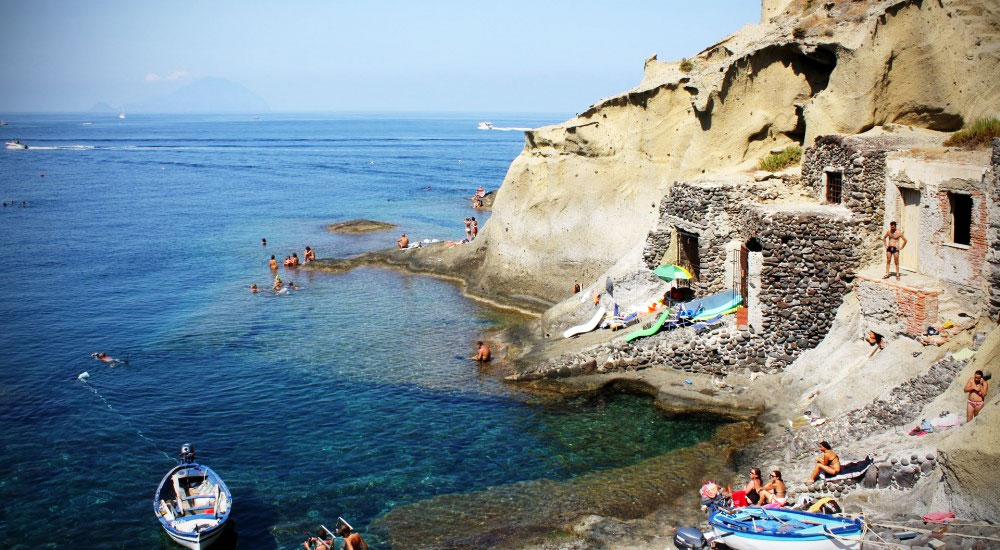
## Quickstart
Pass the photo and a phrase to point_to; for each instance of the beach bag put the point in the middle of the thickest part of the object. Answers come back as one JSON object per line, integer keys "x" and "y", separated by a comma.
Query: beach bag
{"x": 739, "y": 499}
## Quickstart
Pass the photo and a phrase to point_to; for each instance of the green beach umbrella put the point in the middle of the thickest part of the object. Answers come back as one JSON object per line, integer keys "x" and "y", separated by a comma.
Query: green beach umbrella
{"x": 671, "y": 272}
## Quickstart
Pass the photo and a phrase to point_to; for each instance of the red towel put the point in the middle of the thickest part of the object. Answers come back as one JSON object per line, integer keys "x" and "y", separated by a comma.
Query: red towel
{"x": 739, "y": 499}
{"x": 939, "y": 517}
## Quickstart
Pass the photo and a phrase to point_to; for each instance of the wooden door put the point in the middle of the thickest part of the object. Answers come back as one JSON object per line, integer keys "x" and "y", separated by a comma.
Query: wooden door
{"x": 687, "y": 254}
{"x": 909, "y": 257}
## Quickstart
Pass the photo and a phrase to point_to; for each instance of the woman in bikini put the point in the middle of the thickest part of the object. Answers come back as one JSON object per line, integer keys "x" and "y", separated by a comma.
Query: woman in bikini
{"x": 775, "y": 491}
{"x": 977, "y": 388}
{"x": 753, "y": 487}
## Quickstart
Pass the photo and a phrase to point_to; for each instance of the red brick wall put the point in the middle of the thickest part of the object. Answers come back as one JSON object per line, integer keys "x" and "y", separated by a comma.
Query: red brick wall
{"x": 918, "y": 309}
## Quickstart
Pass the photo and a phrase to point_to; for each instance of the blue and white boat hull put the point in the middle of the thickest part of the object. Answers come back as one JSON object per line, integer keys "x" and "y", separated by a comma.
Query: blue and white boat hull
{"x": 192, "y": 504}
{"x": 777, "y": 529}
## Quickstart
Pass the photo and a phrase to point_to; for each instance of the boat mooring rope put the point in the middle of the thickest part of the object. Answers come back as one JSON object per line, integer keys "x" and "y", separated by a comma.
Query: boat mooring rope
{"x": 931, "y": 531}
{"x": 126, "y": 419}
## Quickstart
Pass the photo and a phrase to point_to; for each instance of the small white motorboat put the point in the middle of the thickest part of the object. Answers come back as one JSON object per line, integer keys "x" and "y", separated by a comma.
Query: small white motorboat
{"x": 16, "y": 144}
{"x": 485, "y": 125}
{"x": 192, "y": 503}
{"x": 784, "y": 529}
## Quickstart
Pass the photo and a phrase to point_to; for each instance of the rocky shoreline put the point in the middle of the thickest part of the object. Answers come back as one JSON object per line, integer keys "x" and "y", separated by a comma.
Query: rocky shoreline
{"x": 686, "y": 387}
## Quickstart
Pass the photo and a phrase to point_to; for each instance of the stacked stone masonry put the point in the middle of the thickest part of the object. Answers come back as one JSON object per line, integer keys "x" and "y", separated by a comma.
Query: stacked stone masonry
{"x": 861, "y": 164}
{"x": 993, "y": 255}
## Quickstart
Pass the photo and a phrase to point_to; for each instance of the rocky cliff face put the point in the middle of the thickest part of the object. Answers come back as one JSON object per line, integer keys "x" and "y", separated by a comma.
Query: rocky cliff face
{"x": 585, "y": 192}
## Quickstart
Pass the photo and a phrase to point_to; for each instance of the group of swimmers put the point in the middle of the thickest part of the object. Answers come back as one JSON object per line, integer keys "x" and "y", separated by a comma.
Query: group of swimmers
{"x": 24, "y": 204}
{"x": 290, "y": 262}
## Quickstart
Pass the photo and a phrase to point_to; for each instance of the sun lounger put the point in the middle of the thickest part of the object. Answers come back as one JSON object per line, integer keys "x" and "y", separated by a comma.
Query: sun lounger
{"x": 850, "y": 470}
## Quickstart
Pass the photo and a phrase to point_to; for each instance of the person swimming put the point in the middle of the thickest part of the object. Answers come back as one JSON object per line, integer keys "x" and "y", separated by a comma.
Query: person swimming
{"x": 101, "y": 356}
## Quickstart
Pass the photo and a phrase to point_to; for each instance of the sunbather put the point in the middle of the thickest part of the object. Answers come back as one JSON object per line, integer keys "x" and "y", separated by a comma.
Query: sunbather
{"x": 827, "y": 462}
{"x": 774, "y": 492}
{"x": 753, "y": 487}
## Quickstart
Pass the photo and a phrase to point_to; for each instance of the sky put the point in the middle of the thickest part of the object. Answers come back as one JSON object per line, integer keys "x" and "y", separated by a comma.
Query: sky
{"x": 334, "y": 56}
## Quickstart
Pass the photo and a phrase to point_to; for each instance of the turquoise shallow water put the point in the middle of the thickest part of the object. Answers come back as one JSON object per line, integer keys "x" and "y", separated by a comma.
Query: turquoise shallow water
{"x": 348, "y": 397}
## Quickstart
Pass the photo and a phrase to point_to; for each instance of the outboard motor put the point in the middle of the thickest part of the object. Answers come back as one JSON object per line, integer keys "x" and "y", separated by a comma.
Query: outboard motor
{"x": 689, "y": 538}
{"x": 187, "y": 453}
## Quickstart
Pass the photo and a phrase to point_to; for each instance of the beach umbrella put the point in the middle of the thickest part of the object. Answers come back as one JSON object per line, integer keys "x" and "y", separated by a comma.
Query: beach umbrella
{"x": 671, "y": 272}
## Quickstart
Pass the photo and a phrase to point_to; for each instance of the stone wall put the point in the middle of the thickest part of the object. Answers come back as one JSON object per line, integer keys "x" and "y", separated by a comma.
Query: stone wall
{"x": 808, "y": 260}
{"x": 888, "y": 308}
{"x": 808, "y": 257}
{"x": 993, "y": 256}
{"x": 716, "y": 213}
{"x": 862, "y": 165}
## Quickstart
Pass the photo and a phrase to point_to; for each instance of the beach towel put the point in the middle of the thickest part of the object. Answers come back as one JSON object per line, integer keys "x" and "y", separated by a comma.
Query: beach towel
{"x": 947, "y": 421}
{"x": 939, "y": 517}
{"x": 739, "y": 499}
{"x": 851, "y": 470}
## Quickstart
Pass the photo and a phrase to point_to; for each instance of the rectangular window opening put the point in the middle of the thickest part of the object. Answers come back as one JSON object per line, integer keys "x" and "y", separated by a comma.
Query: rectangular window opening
{"x": 834, "y": 186}
{"x": 961, "y": 218}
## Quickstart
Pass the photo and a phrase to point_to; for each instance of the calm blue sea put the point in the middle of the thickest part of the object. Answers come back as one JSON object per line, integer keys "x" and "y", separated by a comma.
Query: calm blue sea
{"x": 348, "y": 398}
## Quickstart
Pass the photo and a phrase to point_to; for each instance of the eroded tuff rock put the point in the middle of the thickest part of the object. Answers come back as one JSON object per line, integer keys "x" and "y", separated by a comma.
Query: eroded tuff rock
{"x": 585, "y": 192}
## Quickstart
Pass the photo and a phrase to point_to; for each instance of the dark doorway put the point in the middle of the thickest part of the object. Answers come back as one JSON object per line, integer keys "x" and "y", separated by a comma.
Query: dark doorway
{"x": 687, "y": 254}
{"x": 744, "y": 272}
{"x": 961, "y": 218}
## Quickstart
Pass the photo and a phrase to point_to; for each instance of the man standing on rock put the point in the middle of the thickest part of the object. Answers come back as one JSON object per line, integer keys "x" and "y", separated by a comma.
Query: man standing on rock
{"x": 892, "y": 240}
{"x": 977, "y": 389}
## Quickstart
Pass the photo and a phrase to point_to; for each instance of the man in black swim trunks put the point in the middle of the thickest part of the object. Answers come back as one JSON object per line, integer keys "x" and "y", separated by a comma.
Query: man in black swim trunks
{"x": 894, "y": 241}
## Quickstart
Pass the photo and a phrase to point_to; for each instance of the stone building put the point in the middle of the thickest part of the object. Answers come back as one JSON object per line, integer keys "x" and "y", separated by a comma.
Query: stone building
{"x": 942, "y": 201}
{"x": 791, "y": 258}
{"x": 795, "y": 248}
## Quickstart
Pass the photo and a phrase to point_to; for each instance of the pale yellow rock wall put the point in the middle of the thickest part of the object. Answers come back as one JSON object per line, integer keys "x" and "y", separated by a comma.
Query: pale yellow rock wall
{"x": 926, "y": 64}
{"x": 770, "y": 8}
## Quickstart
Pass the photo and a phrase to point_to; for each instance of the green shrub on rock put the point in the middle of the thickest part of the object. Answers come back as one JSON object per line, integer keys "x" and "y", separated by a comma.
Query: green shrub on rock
{"x": 782, "y": 159}
{"x": 979, "y": 134}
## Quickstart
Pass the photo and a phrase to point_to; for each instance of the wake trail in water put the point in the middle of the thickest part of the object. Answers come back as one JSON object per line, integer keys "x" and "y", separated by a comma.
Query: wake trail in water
{"x": 510, "y": 129}
{"x": 125, "y": 418}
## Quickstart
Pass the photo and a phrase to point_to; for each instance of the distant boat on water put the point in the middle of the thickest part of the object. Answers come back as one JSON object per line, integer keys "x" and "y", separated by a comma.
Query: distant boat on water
{"x": 3, "y": 122}
{"x": 16, "y": 144}
{"x": 122, "y": 114}
{"x": 192, "y": 503}
{"x": 485, "y": 125}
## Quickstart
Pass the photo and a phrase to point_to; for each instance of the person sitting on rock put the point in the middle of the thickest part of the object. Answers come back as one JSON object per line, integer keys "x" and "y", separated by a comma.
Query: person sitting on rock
{"x": 827, "y": 462}
{"x": 753, "y": 487}
{"x": 403, "y": 241}
{"x": 483, "y": 355}
{"x": 774, "y": 492}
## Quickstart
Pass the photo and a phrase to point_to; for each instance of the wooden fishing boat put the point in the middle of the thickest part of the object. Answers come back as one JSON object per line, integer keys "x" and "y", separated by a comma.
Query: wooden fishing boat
{"x": 192, "y": 503}
{"x": 784, "y": 529}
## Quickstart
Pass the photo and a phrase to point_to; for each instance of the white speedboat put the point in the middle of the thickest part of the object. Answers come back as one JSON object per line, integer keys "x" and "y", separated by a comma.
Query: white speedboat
{"x": 122, "y": 114}
{"x": 192, "y": 503}
{"x": 16, "y": 144}
{"x": 485, "y": 125}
